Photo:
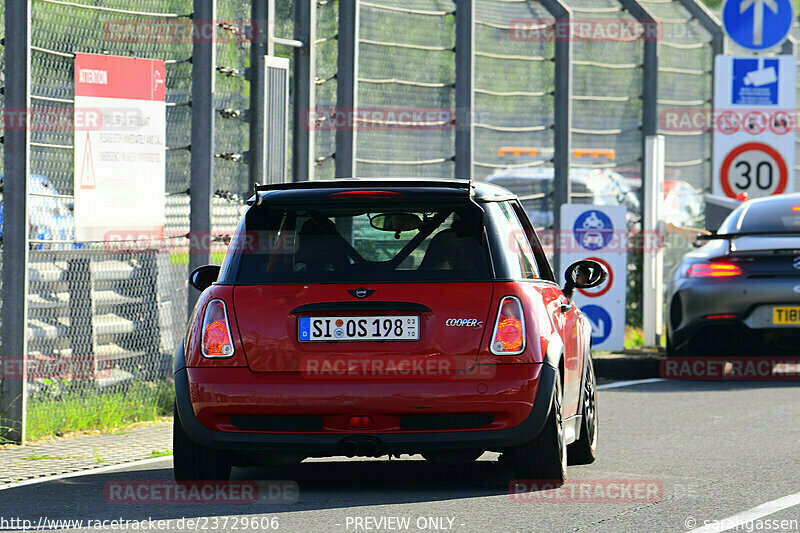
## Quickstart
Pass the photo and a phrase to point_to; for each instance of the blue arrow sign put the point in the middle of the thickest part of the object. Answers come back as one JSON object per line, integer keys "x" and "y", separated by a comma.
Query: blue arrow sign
{"x": 757, "y": 24}
{"x": 600, "y": 320}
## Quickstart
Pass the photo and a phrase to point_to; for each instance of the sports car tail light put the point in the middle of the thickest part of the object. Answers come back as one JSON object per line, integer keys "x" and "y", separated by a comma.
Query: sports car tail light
{"x": 714, "y": 270}
{"x": 508, "y": 337}
{"x": 217, "y": 340}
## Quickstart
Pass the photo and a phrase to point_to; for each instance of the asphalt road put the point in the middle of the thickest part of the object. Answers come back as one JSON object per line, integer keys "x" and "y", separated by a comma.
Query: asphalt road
{"x": 712, "y": 450}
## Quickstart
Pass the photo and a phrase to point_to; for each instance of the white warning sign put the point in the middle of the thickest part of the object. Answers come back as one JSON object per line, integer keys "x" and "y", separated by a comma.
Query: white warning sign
{"x": 120, "y": 164}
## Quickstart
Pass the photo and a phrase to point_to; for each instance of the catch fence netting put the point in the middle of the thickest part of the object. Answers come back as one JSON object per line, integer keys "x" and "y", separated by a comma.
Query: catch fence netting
{"x": 407, "y": 57}
{"x": 105, "y": 316}
{"x": 514, "y": 88}
{"x": 325, "y": 87}
{"x": 406, "y": 64}
{"x": 685, "y": 86}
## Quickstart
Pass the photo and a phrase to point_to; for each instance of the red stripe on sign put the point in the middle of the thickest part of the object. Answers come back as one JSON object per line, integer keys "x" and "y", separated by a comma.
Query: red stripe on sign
{"x": 120, "y": 77}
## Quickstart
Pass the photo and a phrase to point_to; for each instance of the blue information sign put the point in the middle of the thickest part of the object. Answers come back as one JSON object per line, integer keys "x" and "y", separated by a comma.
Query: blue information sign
{"x": 593, "y": 229}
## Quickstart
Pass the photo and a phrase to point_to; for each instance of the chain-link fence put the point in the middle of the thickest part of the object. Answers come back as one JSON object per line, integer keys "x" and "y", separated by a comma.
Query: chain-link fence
{"x": 396, "y": 40}
{"x": 104, "y": 318}
{"x": 514, "y": 84}
{"x": 325, "y": 83}
{"x": 406, "y": 60}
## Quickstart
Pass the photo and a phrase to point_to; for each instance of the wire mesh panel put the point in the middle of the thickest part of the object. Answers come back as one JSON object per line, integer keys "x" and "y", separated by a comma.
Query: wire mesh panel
{"x": 685, "y": 89}
{"x": 514, "y": 73}
{"x": 607, "y": 85}
{"x": 684, "y": 85}
{"x": 325, "y": 67}
{"x": 232, "y": 97}
{"x": 104, "y": 317}
{"x": 406, "y": 97}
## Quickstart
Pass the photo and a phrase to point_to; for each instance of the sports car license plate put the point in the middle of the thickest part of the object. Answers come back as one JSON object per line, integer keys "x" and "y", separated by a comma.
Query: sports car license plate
{"x": 786, "y": 315}
{"x": 358, "y": 328}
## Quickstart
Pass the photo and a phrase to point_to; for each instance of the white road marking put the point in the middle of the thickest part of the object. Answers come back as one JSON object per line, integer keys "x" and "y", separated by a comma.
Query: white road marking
{"x": 87, "y": 472}
{"x": 737, "y": 520}
{"x": 618, "y": 384}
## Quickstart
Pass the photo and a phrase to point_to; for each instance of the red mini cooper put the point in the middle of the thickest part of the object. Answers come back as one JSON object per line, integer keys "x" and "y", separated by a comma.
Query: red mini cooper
{"x": 370, "y": 317}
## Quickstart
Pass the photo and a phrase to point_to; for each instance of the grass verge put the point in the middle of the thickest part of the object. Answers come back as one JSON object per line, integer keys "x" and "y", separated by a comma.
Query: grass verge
{"x": 82, "y": 410}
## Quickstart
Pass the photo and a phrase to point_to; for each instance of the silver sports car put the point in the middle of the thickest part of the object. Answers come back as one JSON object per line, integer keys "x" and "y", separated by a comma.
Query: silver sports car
{"x": 740, "y": 292}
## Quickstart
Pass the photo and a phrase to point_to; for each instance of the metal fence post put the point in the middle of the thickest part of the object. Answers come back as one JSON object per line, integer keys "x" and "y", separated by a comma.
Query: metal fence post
{"x": 262, "y": 13}
{"x": 16, "y": 168}
{"x": 202, "y": 164}
{"x": 653, "y": 260}
{"x": 465, "y": 87}
{"x": 305, "y": 30}
{"x": 562, "y": 119}
{"x": 347, "y": 86}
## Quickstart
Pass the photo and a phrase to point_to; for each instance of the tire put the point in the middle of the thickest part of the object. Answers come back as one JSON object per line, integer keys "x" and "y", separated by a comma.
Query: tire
{"x": 584, "y": 450}
{"x": 453, "y": 458}
{"x": 192, "y": 462}
{"x": 545, "y": 458}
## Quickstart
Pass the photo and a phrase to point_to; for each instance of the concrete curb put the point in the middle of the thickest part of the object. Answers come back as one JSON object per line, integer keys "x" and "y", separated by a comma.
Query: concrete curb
{"x": 627, "y": 365}
{"x": 83, "y": 453}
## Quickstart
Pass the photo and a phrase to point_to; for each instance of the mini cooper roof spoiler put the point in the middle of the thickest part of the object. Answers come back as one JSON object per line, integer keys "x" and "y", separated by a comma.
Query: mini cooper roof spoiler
{"x": 358, "y": 183}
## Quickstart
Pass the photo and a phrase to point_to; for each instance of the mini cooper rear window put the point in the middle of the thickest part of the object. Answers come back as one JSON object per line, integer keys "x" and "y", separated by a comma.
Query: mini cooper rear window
{"x": 298, "y": 244}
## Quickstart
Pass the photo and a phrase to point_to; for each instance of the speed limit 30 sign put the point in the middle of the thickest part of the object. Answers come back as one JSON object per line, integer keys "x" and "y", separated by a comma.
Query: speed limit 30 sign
{"x": 754, "y": 167}
{"x": 754, "y": 140}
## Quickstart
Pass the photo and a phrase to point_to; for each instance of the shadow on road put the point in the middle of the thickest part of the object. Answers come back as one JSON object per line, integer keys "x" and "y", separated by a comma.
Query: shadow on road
{"x": 322, "y": 485}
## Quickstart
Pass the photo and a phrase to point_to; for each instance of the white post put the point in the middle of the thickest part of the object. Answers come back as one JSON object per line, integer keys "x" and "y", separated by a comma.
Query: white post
{"x": 652, "y": 244}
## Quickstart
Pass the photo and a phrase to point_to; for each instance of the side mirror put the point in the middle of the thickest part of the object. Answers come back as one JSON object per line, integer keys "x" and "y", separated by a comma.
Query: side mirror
{"x": 202, "y": 277}
{"x": 583, "y": 275}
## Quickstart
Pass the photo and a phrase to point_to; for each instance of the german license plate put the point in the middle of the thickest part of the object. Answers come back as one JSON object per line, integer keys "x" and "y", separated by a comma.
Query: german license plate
{"x": 358, "y": 328}
{"x": 786, "y": 315}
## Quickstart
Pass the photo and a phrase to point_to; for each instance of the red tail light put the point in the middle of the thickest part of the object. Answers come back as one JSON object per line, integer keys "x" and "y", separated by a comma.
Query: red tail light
{"x": 508, "y": 337}
{"x": 714, "y": 270}
{"x": 360, "y": 422}
{"x": 217, "y": 340}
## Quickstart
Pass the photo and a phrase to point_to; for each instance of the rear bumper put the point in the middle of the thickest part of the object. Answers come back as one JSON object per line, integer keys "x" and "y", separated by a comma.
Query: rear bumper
{"x": 751, "y": 300}
{"x": 331, "y": 443}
